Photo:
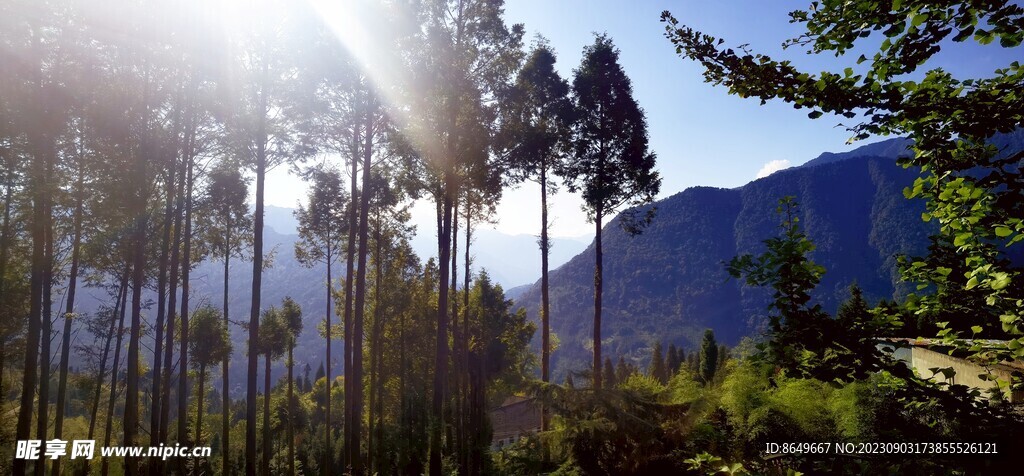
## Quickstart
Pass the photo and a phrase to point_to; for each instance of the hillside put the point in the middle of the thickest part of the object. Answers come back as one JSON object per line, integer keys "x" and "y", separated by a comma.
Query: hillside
{"x": 669, "y": 283}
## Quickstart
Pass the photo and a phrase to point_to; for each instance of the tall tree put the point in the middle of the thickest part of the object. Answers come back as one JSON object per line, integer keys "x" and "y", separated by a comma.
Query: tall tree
{"x": 708, "y": 357}
{"x": 208, "y": 345}
{"x": 259, "y": 119}
{"x": 470, "y": 55}
{"x": 612, "y": 167}
{"x": 38, "y": 128}
{"x": 272, "y": 345}
{"x": 657, "y": 369}
{"x": 291, "y": 316}
{"x": 79, "y": 157}
{"x": 535, "y": 120}
{"x": 322, "y": 227}
{"x": 227, "y": 226}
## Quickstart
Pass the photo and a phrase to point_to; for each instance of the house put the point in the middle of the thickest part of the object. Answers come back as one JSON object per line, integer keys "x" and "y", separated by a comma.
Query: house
{"x": 929, "y": 360}
{"x": 515, "y": 418}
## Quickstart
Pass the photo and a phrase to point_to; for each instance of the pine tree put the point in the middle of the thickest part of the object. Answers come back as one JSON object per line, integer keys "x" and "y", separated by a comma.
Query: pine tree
{"x": 291, "y": 314}
{"x": 708, "y": 357}
{"x": 609, "y": 373}
{"x": 208, "y": 345}
{"x": 622, "y": 370}
{"x": 672, "y": 361}
{"x": 320, "y": 373}
{"x": 227, "y": 227}
{"x": 657, "y": 368}
{"x": 611, "y": 165}
{"x": 535, "y": 119}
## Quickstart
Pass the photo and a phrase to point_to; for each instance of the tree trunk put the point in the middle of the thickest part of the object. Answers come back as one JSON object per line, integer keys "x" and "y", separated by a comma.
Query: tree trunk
{"x": 161, "y": 314}
{"x": 291, "y": 410}
{"x": 454, "y": 415}
{"x": 225, "y": 429}
{"x": 257, "y": 281}
{"x": 266, "y": 417}
{"x": 376, "y": 387}
{"x": 441, "y": 360}
{"x": 186, "y": 268}
{"x": 545, "y": 307}
{"x": 106, "y": 352}
{"x": 598, "y": 290}
{"x": 104, "y": 468}
{"x": 172, "y": 301}
{"x": 463, "y": 354}
{"x": 349, "y": 281}
{"x": 46, "y": 333}
{"x": 42, "y": 149}
{"x": 328, "y": 447}
{"x": 360, "y": 302}
{"x": 199, "y": 406}
{"x": 65, "y": 347}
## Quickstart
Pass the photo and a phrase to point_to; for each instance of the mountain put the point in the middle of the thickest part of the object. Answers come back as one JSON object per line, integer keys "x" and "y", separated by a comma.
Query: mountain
{"x": 669, "y": 283}
{"x": 510, "y": 260}
{"x": 895, "y": 148}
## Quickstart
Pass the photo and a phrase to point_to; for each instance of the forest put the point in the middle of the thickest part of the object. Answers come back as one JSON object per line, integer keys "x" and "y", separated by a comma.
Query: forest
{"x": 136, "y": 141}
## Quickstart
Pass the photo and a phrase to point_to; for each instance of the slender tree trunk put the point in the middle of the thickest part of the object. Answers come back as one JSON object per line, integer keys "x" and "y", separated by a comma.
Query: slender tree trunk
{"x": 545, "y": 306}
{"x": 5, "y": 245}
{"x": 5, "y": 232}
{"x": 186, "y": 268}
{"x": 375, "y": 353}
{"x": 463, "y": 352}
{"x": 42, "y": 419}
{"x": 598, "y": 290}
{"x": 441, "y": 360}
{"x": 108, "y": 432}
{"x": 266, "y": 416}
{"x": 141, "y": 176}
{"x": 106, "y": 352}
{"x": 225, "y": 429}
{"x": 328, "y": 447}
{"x": 349, "y": 288}
{"x": 199, "y": 406}
{"x": 360, "y": 303}
{"x": 454, "y": 414}
{"x": 65, "y": 347}
{"x": 172, "y": 301}
{"x": 405, "y": 427}
{"x": 42, "y": 149}
{"x": 161, "y": 314}
{"x": 291, "y": 411}
{"x": 257, "y": 282}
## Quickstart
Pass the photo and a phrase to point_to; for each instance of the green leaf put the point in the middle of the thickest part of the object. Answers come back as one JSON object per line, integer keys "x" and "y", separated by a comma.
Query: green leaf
{"x": 961, "y": 239}
{"x": 1000, "y": 281}
{"x": 1002, "y": 231}
{"x": 919, "y": 19}
{"x": 976, "y": 329}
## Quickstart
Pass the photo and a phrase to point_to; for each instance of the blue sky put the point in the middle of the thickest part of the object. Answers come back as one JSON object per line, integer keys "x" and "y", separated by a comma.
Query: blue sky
{"x": 702, "y": 135}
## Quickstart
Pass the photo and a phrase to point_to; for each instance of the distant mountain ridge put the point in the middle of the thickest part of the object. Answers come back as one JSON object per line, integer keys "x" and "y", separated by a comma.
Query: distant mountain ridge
{"x": 669, "y": 284}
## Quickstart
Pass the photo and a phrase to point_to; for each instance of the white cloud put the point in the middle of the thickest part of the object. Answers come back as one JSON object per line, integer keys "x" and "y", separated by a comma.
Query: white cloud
{"x": 772, "y": 167}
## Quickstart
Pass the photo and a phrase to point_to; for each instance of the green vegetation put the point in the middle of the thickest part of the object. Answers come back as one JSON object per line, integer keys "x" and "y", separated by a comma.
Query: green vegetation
{"x": 130, "y": 131}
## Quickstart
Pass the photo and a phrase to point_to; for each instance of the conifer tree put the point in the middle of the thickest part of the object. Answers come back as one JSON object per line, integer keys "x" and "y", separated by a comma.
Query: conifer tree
{"x": 609, "y": 373}
{"x": 535, "y": 119}
{"x": 657, "y": 368}
{"x": 708, "y": 363}
{"x": 611, "y": 167}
